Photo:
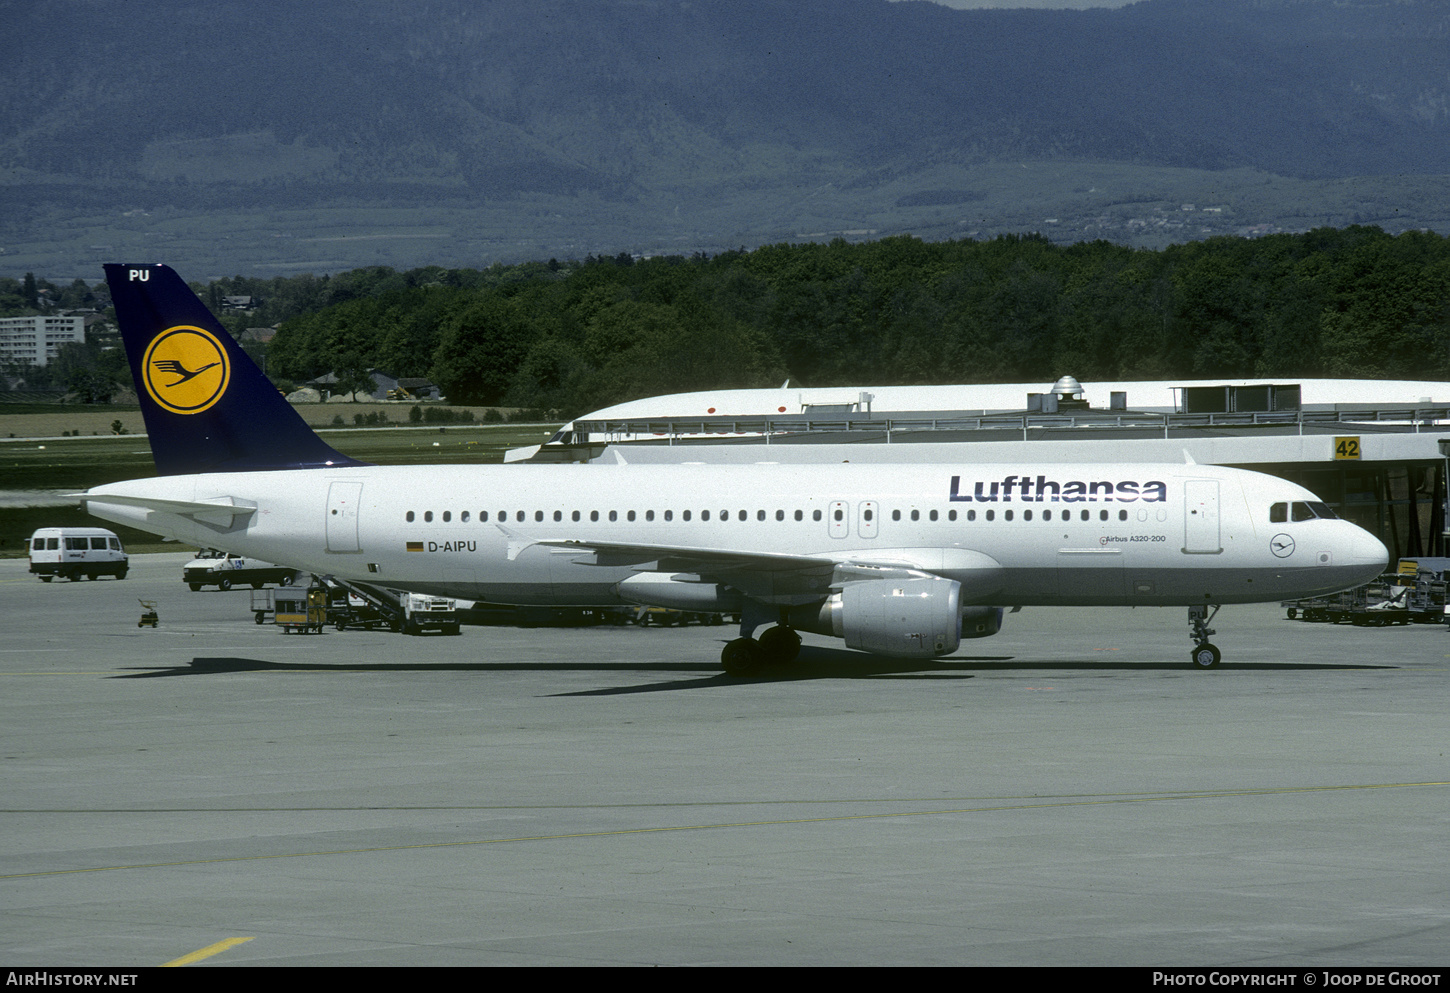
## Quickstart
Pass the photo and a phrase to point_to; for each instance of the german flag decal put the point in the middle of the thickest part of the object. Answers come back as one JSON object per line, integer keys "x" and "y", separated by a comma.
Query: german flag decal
{"x": 415, "y": 546}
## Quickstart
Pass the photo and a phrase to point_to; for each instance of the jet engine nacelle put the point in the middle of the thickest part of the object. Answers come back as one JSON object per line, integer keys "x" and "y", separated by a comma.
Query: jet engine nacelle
{"x": 904, "y": 618}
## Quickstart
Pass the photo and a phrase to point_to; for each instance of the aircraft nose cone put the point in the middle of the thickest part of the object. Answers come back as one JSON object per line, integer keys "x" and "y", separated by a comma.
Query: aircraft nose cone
{"x": 1366, "y": 552}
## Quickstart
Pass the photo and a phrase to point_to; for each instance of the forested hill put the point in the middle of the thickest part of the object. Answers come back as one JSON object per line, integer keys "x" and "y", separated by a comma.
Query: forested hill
{"x": 231, "y": 103}
{"x": 572, "y": 338}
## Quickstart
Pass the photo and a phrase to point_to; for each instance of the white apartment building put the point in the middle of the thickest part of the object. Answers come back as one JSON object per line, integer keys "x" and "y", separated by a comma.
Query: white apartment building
{"x": 37, "y": 340}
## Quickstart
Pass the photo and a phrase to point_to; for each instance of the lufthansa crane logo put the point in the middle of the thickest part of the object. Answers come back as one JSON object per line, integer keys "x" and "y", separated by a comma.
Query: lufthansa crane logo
{"x": 1281, "y": 545}
{"x": 186, "y": 369}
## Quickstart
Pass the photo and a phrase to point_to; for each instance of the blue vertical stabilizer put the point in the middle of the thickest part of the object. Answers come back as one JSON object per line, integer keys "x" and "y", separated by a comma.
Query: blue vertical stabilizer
{"x": 207, "y": 406}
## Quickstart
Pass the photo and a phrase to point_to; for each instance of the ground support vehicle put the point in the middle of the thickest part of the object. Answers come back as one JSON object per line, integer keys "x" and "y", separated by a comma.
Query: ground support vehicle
{"x": 213, "y": 568}
{"x": 262, "y": 605}
{"x": 410, "y": 613}
{"x": 347, "y": 609}
{"x": 148, "y": 614}
{"x": 299, "y": 608}
{"x": 71, "y": 553}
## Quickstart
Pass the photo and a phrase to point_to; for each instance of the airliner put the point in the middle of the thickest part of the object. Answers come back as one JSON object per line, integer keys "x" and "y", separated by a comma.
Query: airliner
{"x": 903, "y": 561}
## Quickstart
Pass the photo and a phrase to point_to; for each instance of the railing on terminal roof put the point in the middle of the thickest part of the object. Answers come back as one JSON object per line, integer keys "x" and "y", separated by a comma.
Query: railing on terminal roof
{"x": 669, "y": 428}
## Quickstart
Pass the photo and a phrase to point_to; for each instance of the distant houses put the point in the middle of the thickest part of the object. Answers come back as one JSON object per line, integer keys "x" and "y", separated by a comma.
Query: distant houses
{"x": 386, "y": 387}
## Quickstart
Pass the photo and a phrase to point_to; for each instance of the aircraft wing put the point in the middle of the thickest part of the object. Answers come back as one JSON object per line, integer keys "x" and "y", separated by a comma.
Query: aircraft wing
{"x": 769, "y": 576}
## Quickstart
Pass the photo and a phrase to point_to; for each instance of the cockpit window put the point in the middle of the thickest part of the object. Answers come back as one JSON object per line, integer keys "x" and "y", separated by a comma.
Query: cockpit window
{"x": 1302, "y": 510}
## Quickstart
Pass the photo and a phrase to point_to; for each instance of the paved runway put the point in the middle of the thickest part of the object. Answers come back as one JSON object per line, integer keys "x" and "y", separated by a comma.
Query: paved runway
{"x": 1069, "y": 792}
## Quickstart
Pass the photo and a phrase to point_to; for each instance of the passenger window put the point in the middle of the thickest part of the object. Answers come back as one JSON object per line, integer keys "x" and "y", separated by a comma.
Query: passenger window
{"x": 428, "y": 516}
{"x": 463, "y": 517}
{"x": 1278, "y": 513}
{"x": 685, "y": 516}
{"x": 669, "y": 515}
{"x": 816, "y": 515}
{"x": 1122, "y": 515}
{"x": 538, "y": 515}
{"x": 1027, "y": 515}
{"x": 896, "y": 515}
{"x": 574, "y": 516}
{"x": 951, "y": 515}
{"x": 613, "y": 515}
{"x": 704, "y": 515}
{"x": 649, "y": 515}
{"x": 1006, "y": 515}
{"x": 971, "y": 515}
{"x": 916, "y": 515}
{"x": 799, "y": 516}
{"x": 780, "y": 515}
{"x": 558, "y": 516}
{"x": 482, "y": 517}
{"x": 932, "y": 515}
{"x": 1102, "y": 515}
{"x": 1047, "y": 515}
{"x": 991, "y": 515}
{"x": 447, "y": 516}
{"x": 519, "y": 517}
{"x": 759, "y": 515}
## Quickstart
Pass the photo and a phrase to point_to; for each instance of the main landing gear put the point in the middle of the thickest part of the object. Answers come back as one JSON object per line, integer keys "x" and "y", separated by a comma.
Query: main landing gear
{"x": 745, "y": 655}
{"x": 1204, "y": 654}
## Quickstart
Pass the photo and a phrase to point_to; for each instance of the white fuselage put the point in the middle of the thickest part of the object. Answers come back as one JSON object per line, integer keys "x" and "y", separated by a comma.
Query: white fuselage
{"x": 1052, "y": 534}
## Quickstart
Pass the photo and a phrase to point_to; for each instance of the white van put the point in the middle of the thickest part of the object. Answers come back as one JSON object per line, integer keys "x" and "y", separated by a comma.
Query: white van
{"x": 76, "y": 552}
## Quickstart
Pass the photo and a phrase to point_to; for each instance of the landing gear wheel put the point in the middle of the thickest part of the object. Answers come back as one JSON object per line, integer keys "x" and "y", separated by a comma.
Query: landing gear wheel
{"x": 780, "y": 645}
{"x": 742, "y": 657}
{"x": 1205, "y": 656}
{"x": 287, "y": 579}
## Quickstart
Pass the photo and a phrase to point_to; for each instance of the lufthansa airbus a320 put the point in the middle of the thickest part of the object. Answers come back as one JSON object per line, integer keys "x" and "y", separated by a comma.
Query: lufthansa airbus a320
{"x": 900, "y": 560}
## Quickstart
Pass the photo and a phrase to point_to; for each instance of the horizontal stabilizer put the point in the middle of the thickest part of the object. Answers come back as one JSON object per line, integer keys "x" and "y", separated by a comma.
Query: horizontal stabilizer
{"x": 222, "y": 513}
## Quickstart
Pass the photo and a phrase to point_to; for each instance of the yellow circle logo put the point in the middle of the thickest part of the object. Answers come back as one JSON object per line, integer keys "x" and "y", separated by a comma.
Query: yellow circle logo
{"x": 186, "y": 369}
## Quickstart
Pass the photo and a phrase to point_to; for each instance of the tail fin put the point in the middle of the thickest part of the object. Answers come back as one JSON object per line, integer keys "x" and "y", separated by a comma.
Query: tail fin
{"x": 207, "y": 406}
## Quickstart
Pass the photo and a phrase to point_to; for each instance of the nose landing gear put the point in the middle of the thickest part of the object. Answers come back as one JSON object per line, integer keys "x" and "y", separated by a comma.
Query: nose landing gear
{"x": 1204, "y": 654}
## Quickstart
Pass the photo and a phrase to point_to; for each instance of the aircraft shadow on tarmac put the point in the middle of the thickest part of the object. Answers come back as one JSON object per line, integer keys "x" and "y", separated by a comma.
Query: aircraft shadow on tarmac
{"x": 813, "y": 663}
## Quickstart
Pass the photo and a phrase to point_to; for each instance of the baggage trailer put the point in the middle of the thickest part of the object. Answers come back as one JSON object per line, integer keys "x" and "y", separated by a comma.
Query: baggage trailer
{"x": 301, "y": 609}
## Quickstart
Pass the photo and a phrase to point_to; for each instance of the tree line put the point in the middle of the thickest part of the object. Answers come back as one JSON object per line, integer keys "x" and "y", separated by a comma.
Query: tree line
{"x": 1353, "y": 302}
{"x": 575, "y": 336}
